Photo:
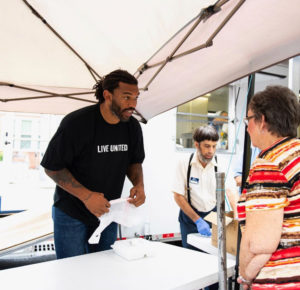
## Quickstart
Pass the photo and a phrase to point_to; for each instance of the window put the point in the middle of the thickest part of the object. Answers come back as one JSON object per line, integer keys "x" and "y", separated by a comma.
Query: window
{"x": 25, "y": 134}
{"x": 210, "y": 109}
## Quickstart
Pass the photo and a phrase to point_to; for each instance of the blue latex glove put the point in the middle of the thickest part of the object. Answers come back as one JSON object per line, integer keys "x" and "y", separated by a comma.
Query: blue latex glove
{"x": 203, "y": 227}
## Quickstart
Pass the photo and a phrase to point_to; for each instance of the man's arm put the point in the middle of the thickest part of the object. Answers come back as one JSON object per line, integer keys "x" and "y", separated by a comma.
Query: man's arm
{"x": 185, "y": 206}
{"x": 135, "y": 175}
{"x": 95, "y": 202}
{"x": 202, "y": 226}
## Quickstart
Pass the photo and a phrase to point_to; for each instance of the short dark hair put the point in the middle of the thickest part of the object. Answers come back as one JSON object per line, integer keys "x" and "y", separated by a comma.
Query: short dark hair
{"x": 207, "y": 132}
{"x": 281, "y": 109}
{"x": 111, "y": 82}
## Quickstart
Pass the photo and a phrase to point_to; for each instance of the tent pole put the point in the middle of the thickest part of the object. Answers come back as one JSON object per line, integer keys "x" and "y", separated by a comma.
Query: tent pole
{"x": 48, "y": 94}
{"x": 247, "y": 141}
{"x": 90, "y": 69}
{"x": 245, "y": 172}
{"x": 209, "y": 42}
{"x": 222, "y": 264}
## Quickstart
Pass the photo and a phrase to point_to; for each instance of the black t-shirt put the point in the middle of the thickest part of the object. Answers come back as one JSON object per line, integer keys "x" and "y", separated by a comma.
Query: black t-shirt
{"x": 96, "y": 153}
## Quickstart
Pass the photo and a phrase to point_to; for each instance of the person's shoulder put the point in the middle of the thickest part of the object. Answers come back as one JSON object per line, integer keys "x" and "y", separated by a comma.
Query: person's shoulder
{"x": 215, "y": 160}
{"x": 288, "y": 153}
{"x": 293, "y": 147}
{"x": 134, "y": 122}
{"x": 80, "y": 115}
{"x": 295, "y": 142}
{"x": 134, "y": 125}
{"x": 283, "y": 152}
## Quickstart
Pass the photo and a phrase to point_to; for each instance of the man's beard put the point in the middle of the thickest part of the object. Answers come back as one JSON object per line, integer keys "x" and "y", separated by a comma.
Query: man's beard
{"x": 202, "y": 158}
{"x": 116, "y": 110}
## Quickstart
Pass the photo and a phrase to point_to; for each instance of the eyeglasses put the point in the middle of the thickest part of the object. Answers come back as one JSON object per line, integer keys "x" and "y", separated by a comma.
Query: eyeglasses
{"x": 247, "y": 119}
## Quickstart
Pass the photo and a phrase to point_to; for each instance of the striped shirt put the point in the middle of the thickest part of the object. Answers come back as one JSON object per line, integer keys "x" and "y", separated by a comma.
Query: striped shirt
{"x": 273, "y": 183}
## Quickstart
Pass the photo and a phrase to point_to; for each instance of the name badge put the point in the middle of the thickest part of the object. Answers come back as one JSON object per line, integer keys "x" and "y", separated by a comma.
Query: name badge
{"x": 194, "y": 180}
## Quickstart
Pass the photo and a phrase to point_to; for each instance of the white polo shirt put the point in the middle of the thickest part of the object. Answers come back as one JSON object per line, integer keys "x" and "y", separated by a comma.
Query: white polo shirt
{"x": 202, "y": 182}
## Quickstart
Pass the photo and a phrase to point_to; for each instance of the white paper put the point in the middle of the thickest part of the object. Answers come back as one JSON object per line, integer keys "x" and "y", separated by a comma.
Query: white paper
{"x": 121, "y": 212}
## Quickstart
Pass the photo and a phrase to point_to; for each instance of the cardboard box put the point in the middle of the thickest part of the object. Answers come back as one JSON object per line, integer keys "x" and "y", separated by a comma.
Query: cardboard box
{"x": 231, "y": 231}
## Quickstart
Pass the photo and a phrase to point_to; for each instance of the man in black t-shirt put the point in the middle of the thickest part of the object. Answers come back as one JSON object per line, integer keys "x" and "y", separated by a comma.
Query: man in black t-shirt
{"x": 89, "y": 156}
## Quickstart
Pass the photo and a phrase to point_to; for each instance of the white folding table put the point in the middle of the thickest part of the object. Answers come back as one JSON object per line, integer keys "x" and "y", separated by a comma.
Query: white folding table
{"x": 23, "y": 229}
{"x": 204, "y": 244}
{"x": 170, "y": 267}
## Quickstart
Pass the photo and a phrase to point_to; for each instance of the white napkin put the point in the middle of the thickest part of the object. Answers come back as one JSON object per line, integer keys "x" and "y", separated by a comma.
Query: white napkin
{"x": 121, "y": 212}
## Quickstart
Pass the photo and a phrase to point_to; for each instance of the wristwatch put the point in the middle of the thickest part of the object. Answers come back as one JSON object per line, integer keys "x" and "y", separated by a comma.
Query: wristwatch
{"x": 244, "y": 281}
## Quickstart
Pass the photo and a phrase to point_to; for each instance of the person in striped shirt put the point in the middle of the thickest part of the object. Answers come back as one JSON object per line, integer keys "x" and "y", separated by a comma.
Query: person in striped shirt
{"x": 269, "y": 206}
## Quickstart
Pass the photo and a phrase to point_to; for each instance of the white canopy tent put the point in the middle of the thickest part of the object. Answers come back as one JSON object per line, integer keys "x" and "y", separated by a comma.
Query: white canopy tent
{"x": 42, "y": 73}
{"x": 104, "y": 35}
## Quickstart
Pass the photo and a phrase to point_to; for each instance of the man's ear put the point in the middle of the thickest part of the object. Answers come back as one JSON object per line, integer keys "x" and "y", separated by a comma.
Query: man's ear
{"x": 107, "y": 95}
{"x": 196, "y": 144}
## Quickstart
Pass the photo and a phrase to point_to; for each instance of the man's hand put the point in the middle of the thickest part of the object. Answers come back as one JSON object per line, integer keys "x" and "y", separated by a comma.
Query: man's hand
{"x": 138, "y": 195}
{"x": 203, "y": 227}
{"x": 97, "y": 204}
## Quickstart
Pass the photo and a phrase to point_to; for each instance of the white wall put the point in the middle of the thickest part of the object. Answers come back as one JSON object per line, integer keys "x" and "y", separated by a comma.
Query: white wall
{"x": 160, "y": 209}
